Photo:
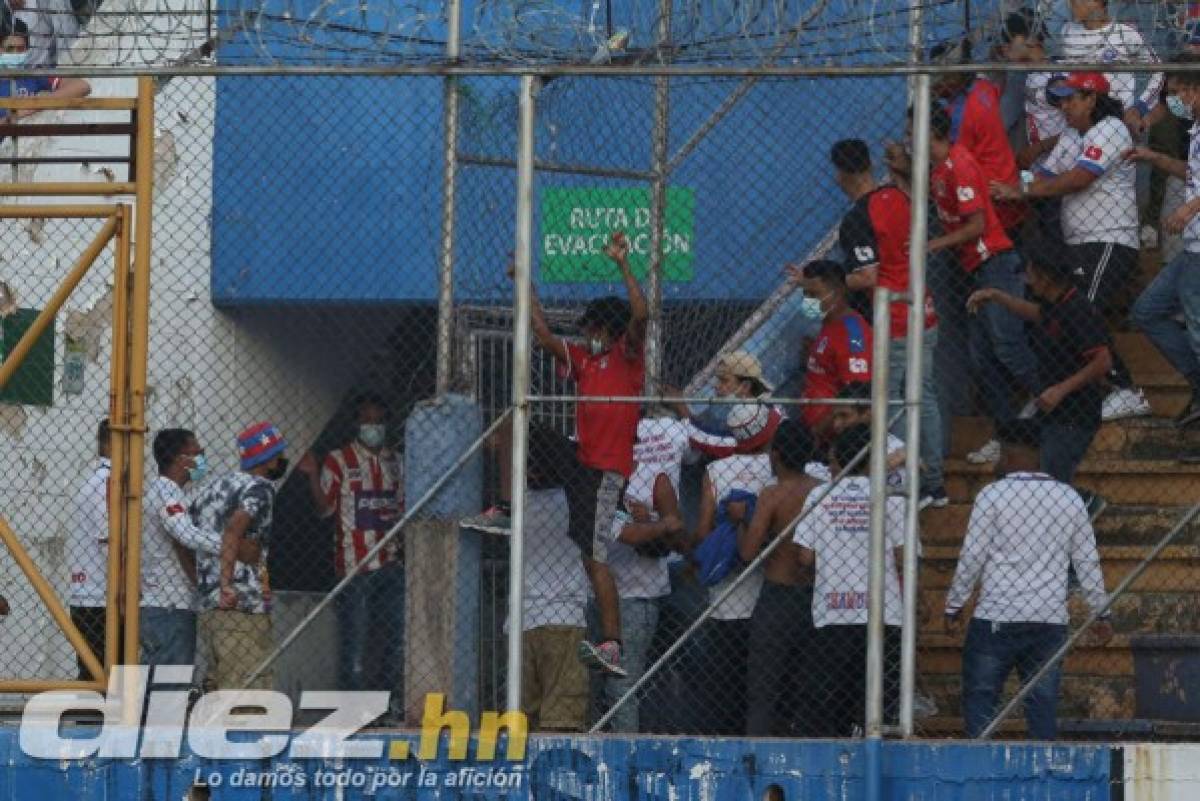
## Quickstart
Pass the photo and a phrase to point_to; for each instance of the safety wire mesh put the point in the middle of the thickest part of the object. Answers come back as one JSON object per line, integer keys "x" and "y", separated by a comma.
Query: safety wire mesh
{"x": 297, "y": 243}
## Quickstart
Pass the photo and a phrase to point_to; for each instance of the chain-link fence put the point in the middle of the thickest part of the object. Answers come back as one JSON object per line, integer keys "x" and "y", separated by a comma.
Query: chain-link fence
{"x": 326, "y": 506}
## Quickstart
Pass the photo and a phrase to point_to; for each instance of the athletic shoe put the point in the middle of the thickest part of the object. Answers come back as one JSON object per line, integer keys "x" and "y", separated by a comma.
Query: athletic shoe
{"x": 493, "y": 521}
{"x": 989, "y": 453}
{"x": 1095, "y": 503}
{"x": 604, "y": 656}
{"x": 924, "y": 707}
{"x": 935, "y": 497}
{"x": 1191, "y": 414}
{"x": 1122, "y": 404}
{"x": 1029, "y": 410}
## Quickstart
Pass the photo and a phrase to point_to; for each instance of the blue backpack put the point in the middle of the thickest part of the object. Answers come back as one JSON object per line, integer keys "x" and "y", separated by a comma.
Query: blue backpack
{"x": 717, "y": 556}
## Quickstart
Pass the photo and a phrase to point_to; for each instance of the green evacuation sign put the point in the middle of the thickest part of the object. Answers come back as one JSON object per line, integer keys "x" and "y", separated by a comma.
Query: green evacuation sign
{"x": 577, "y": 223}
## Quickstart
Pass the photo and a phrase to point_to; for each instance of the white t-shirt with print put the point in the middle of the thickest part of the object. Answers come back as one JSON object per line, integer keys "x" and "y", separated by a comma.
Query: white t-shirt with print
{"x": 749, "y": 473}
{"x": 1191, "y": 234}
{"x": 838, "y": 530}
{"x": 661, "y": 446}
{"x": 1115, "y": 43}
{"x": 555, "y": 585}
{"x": 1106, "y": 211}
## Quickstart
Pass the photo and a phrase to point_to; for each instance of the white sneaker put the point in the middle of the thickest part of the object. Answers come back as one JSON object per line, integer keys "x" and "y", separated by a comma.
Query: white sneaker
{"x": 1028, "y": 410}
{"x": 1125, "y": 403}
{"x": 1149, "y": 236}
{"x": 989, "y": 453}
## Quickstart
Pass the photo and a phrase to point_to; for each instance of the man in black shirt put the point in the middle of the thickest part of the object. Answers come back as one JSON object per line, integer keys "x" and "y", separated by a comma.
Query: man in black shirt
{"x": 1073, "y": 351}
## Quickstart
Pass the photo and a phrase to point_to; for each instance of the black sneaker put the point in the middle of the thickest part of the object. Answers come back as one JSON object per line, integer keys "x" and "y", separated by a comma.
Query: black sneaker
{"x": 1191, "y": 414}
{"x": 1095, "y": 503}
{"x": 934, "y": 497}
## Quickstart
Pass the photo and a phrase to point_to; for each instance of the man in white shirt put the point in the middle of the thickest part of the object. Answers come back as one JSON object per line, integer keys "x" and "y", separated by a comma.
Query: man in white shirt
{"x": 170, "y": 540}
{"x": 554, "y": 683}
{"x": 643, "y": 536}
{"x": 1094, "y": 37}
{"x": 835, "y": 536}
{"x": 1176, "y": 288}
{"x": 723, "y": 653}
{"x": 87, "y": 551}
{"x": 1025, "y": 530}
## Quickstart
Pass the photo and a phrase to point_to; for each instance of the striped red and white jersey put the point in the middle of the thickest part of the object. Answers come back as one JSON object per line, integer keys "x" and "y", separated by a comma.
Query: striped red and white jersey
{"x": 364, "y": 491}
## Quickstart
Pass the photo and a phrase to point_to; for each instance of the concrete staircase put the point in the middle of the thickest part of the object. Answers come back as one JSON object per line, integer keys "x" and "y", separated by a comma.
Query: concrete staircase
{"x": 1136, "y": 465}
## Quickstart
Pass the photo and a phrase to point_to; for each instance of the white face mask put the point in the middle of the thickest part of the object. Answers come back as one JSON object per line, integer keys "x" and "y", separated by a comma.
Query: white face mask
{"x": 1177, "y": 107}
{"x": 11, "y": 60}
{"x": 372, "y": 434}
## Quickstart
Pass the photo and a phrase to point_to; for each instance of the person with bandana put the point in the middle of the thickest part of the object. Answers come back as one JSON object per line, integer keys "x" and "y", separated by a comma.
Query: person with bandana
{"x": 14, "y": 53}
{"x": 235, "y": 597}
{"x": 361, "y": 486}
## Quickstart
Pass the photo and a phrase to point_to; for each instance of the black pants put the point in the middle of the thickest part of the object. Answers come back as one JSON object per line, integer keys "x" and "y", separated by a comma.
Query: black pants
{"x": 720, "y": 677}
{"x": 779, "y": 664}
{"x": 1103, "y": 272}
{"x": 842, "y": 682}
{"x": 90, "y": 622}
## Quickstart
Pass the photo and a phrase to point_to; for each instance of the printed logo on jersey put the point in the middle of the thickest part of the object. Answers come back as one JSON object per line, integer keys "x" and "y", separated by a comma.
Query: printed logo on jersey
{"x": 1093, "y": 153}
{"x": 965, "y": 194}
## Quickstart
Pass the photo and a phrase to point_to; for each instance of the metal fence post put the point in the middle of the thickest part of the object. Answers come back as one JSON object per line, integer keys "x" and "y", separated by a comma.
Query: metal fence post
{"x": 520, "y": 384}
{"x": 658, "y": 202}
{"x": 445, "y": 320}
{"x": 913, "y": 395}
{"x": 875, "y": 583}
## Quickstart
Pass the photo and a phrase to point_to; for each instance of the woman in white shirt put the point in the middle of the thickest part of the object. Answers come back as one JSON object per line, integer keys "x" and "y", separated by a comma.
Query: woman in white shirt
{"x": 1087, "y": 169}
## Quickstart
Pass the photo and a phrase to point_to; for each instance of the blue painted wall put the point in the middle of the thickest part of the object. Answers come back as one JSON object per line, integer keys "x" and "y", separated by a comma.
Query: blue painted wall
{"x": 615, "y": 769}
{"x": 328, "y": 190}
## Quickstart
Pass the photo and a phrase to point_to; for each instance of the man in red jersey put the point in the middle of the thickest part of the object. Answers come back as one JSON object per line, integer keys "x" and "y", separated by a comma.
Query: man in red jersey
{"x": 874, "y": 238}
{"x": 611, "y": 363}
{"x": 841, "y": 353}
{"x": 999, "y": 346}
{"x": 973, "y": 105}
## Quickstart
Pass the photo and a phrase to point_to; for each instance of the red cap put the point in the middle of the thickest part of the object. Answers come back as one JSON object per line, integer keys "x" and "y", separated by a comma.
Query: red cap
{"x": 1087, "y": 82}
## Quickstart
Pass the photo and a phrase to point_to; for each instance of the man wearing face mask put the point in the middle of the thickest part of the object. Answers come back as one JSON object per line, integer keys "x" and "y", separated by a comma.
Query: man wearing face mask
{"x": 361, "y": 487}
{"x": 168, "y": 618}
{"x": 235, "y": 596}
{"x": 14, "y": 53}
{"x": 841, "y": 354}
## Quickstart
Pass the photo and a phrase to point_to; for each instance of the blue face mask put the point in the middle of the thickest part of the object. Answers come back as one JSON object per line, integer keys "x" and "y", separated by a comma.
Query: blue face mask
{"x": 199, "y": 468}
{"x": 1177, "y": 107}
{"x": 11, "y": 60}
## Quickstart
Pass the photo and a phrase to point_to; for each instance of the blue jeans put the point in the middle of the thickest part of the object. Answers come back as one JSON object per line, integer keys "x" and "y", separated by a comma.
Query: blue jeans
{"x": 999, "y": 346}
{"x": 932, "y": 452}
{"x": 167, "y": 636}
{"x": 639, "y": 621}
{"x": 1175, "y": 289}
{"x": 1063, "y": 448}
{"x": 992, "y": 650}
{"x": 370, "y": 616}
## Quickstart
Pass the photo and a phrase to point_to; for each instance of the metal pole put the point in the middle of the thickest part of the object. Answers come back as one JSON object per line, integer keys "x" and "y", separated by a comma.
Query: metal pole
{"x": 445, "y": 324}
{"x": 914, "y": 367}
{"x": 875, "y": 583}
{"x": 916, "y": 34}
{"x": 1127, "y": 582}
{"x": 139, "y": 336}
{"x": 119, "y": 425}
{"x": 660, "y": 140}
{"x": 520, "y": 386}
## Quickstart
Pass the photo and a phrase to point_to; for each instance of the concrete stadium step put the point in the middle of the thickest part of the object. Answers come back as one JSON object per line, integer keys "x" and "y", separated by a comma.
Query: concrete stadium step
{"x": 1088, "y": 697}
{"x": 1119, "y": 525}
{"x": 1176, "y": 569}
{"x": 1138, "y": 438}
{"x": 1145, "y": 482}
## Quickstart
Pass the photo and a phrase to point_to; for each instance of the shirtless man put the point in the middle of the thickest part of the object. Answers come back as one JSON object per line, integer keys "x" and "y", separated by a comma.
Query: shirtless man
{"x": 781, "y": 625}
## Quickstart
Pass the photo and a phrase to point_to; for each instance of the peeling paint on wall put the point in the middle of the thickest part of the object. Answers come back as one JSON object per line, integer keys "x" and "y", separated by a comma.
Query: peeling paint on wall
{"x": 13, "y": 420}
{"x": 91, "y": 325}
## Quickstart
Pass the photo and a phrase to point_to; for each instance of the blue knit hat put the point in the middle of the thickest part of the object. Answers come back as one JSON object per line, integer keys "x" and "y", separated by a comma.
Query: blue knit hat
{"x": 260, "y": 443}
